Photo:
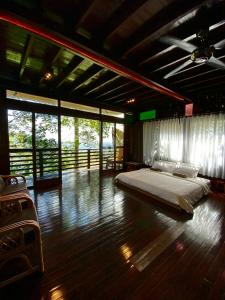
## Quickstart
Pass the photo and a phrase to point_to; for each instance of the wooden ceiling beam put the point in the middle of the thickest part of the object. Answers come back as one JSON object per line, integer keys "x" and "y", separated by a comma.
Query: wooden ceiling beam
{"x": 80, "y": 50}
{"x": 119, "y": 81}
{"x": 162, "y": 51}
{"x": 137, "y": 96}
{"x": 126, "y": 9}
{"x": 196, "y": 76}
{"x": 100, "y": 82}
{"x": 96, "y": 85}
{"x": 126, "y": 92}
{"x": 76, "y": 60}
{"x": 200, "y": 82}
{"x": 11, "y": 83}
{"x": 26, "y": 53}
{"x": 114, "y": 91}
{"x": 90, "y": 72}
{"x": 165, "y": 20}
{"x": 55, "y": 57}
{"x": 208, "y": 87}
{"x": 81, "y": 12}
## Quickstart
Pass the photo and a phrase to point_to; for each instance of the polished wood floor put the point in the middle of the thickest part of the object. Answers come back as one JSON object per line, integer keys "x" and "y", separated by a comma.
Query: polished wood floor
{"x": 93, "y": 230}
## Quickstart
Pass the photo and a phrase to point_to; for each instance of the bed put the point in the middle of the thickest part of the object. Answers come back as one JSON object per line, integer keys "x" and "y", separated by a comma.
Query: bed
{"x": 181, "y": 193}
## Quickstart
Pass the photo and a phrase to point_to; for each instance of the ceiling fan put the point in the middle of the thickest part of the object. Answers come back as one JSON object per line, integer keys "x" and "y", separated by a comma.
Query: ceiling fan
{"x": 202, "y": 54}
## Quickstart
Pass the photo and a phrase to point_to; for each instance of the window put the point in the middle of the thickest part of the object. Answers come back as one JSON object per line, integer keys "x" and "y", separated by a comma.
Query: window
{"x": 80, "y": 107}
{"x": 112, "y": 113}
{"x": 30, "y": 98}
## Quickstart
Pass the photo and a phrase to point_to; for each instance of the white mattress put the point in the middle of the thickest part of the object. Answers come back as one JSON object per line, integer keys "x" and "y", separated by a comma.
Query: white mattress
{"x": 183, "y": 192}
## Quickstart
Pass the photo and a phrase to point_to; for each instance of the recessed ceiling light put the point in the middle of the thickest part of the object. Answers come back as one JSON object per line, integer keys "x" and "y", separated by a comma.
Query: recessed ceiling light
{"x": 48, "y": 75}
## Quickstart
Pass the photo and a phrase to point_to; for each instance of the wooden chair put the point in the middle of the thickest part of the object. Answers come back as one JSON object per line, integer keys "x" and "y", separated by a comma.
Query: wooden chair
{"x": 20, "y": 251}
{"x": 11, "y": 184}
{"x": 20, "y": 238}
{"x": 110, "y": 162}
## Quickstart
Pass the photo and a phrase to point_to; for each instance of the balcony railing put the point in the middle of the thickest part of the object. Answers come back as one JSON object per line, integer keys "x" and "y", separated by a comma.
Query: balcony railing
{"x": 47, "y": 160}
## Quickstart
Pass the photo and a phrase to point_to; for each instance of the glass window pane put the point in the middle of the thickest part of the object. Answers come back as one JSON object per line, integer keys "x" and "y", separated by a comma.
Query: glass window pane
{"x": 47, "y": 152}
{"x": 80, "y": 107}
{"x": 46, "y": 131}
{"x": 20, "y": 129}
{"x": 119, "y": 135}
{"x": 67, "y": 132}
{"x": 30, "y": 98}
{"x": 108, "y": 145}
{"x": 20, "y": 144}
{"x": 88, "y": 134}
{"x": 111, "y": 113}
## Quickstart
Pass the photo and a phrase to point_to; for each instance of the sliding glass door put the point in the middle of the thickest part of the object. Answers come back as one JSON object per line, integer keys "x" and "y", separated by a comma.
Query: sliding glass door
{"x": 20, "y": 144}
{"x": 79, "y": 143}
{"x": 46, "y": 146}
{"x": 108, "y": 145}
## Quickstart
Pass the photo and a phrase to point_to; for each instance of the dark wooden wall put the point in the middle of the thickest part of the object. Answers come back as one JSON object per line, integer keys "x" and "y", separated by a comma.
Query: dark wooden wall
{"x": 133, "y": 143}
{"x": 4, "y": 142}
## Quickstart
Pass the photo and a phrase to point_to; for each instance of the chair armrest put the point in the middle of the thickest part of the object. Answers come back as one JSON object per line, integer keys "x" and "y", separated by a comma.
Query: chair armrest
{"x": 11, "y": 204}
{"x": 21, "y": 224}
{"x": 12, "y": 179}
{"x": 12, "y": 240}
{"x": 17, "y": 197}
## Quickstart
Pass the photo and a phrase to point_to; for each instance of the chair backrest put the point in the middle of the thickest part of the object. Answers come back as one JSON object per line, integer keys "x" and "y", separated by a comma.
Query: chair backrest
{"x": 2, "y": 184}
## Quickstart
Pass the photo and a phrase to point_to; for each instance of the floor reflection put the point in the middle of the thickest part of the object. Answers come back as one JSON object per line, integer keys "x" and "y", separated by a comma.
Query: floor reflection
{"x": 92, "y": 230}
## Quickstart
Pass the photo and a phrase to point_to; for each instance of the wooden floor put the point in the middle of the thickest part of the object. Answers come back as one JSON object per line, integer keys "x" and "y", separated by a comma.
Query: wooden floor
{"x": 93, "y": 231}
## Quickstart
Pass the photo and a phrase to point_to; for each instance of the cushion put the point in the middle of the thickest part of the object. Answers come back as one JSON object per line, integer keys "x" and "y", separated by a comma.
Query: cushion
{"x": 14, "y": 188}
{"x": 188, "y": 171}
{"x": 166, "y": 166}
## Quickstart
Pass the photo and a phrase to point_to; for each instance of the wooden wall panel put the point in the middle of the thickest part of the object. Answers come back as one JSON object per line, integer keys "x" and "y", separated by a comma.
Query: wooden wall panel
{"x": 4, "y": 141}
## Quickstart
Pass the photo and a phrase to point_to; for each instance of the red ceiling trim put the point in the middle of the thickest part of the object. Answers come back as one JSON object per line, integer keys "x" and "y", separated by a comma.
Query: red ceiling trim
{"x": 87, "y": 53}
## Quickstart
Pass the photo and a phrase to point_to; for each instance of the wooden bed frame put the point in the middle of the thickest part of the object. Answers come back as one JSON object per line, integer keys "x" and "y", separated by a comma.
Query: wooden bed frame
{"x": 149, "y": 195}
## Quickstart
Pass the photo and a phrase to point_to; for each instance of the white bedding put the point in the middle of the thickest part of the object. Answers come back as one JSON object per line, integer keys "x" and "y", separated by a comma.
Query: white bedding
{"x": 183, "y": 192}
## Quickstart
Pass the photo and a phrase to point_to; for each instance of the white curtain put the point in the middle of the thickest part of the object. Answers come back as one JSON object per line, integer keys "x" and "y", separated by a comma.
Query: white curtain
{"x": 197, "y": 140}
{"x": 205, "y": 144}
{"x": 171, "y": 140}
{"x": 162, "y": 140}
{"x": 150, "y": 141}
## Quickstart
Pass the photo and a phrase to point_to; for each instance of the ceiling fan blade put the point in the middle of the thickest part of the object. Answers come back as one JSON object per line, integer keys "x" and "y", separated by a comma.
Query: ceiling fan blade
{"x": 186, "y": 63}
{"x": 216, "y": 63}
{"x": 220, "y": 45}
{"x": 170, "y": 40}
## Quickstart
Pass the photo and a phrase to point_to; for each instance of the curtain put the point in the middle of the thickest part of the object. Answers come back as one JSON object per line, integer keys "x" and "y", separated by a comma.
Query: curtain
{"x": 162, "y": 140}
{"x": 197, "y": 140}
{"x": 150, "y": 141}
{"x": 205, "y": 144}
{"x": 170, "y": 140}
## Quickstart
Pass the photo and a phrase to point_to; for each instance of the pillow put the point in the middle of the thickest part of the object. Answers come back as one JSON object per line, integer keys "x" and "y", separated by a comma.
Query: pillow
{"x": 188, "y": 171}
{"x": 166, "y": 166}
{"x": 180, "y": 175}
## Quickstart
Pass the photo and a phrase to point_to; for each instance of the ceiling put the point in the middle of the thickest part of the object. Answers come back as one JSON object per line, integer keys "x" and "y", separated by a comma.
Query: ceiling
{"x": 127, "y": 32}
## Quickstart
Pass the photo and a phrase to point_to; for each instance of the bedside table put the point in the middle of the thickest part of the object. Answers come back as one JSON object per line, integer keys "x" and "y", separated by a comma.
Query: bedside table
{"x": 132, "y": 166}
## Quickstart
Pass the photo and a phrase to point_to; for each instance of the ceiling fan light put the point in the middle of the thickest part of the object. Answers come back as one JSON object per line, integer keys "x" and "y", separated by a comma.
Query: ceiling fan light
{"x": 202, "y": 55}
{"x": 201, "y": 60}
